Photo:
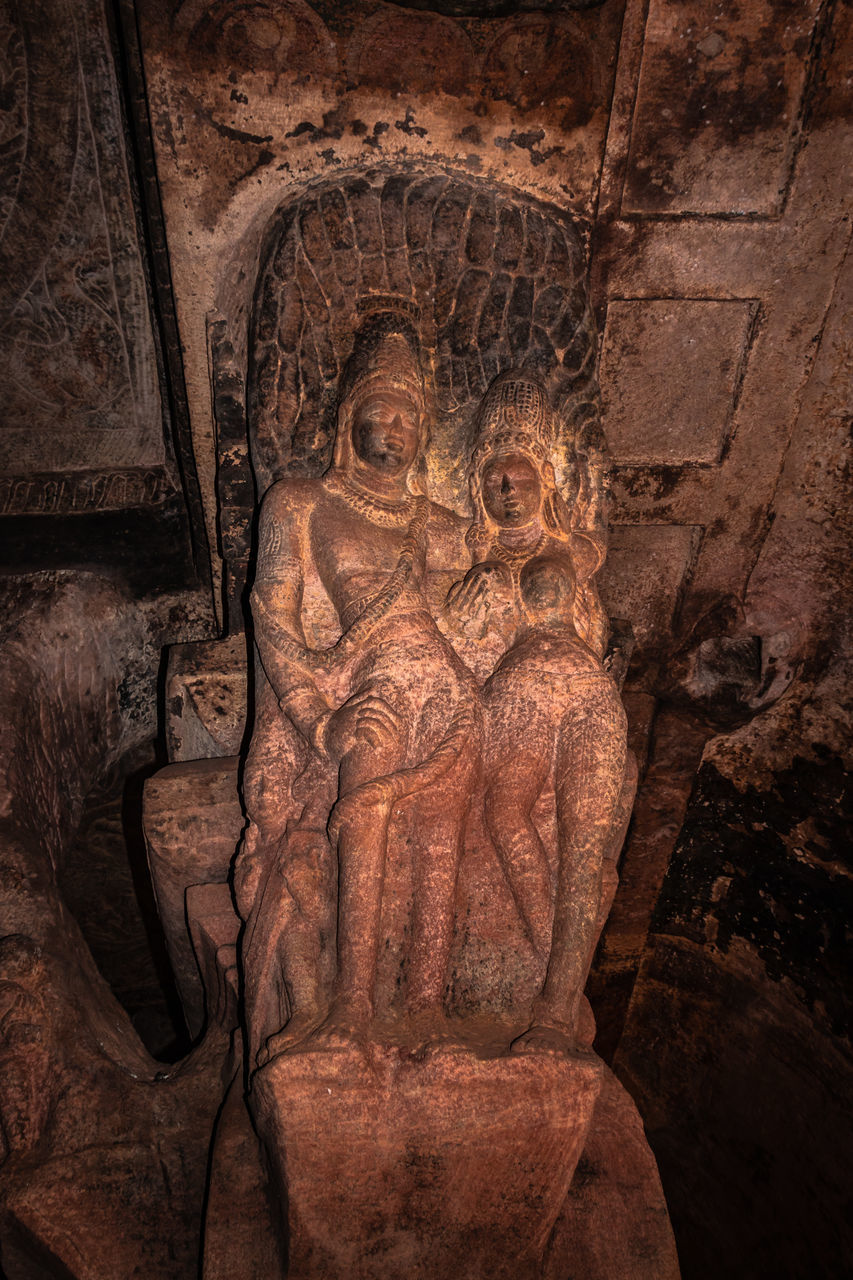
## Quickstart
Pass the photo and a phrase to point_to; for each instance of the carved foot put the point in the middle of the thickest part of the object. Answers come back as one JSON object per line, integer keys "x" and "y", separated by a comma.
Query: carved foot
{"x": 346, "y": 1026}
{"x": 545, "y": 1038}
{"x": 433, "y": 1032}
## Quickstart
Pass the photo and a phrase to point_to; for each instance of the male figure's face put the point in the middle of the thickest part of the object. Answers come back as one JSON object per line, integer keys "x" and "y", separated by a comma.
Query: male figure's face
{"x": 511, "y": 490}
{"x": 386, "y": 432}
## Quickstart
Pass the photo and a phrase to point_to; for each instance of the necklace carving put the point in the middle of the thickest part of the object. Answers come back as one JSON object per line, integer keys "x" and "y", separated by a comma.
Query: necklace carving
{"x": 516, "y": 557}
{"x": 381, "y": 511}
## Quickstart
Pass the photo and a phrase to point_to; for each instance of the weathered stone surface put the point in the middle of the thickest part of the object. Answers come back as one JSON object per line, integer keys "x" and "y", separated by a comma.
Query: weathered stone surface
{"x": 206, "y": 699}
{"x": 645, "y": 574}
{"x": 78, "y": 357}
{"x": 766, "y": 1139}
{"x": 92, "y": 1145}
{"x": 214, "y": 929}
{"x": 751, "y": 1127}
{"x": 192, "y": 821}
{"x": 240, "y": 1235}
{"x": 747, "y": 933}
{"x": 614, "y": 1223}
{"x": 104, "y": 881}
{"x": 473, "y": 1157}
{"x": 719, "y": 105}
{"x": 671, "y": 371}
{"x": 88, "y": 473}
{"x": 612, "y": 1226}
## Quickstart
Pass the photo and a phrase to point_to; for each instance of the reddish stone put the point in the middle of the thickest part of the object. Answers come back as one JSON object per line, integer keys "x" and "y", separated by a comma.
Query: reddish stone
{"x": 392, "y": 1166}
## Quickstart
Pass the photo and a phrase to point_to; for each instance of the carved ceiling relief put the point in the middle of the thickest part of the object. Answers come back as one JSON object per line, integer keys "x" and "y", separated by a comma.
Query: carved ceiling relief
{"x": 83, "y": 423}
{"x": 520, "y": 59}
{"x": 298, "y": 91}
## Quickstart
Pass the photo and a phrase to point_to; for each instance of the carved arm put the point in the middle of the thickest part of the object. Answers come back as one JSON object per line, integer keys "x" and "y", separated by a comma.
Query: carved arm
{"x": 276, "y": 602}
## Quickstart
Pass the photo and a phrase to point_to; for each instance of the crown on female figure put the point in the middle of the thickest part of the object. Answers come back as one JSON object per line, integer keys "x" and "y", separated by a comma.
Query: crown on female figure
{"x": 516, "y": 414}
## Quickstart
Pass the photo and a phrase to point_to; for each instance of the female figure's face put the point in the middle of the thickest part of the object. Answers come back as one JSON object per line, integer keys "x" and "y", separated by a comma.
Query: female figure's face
{"x": 511, "y": 490}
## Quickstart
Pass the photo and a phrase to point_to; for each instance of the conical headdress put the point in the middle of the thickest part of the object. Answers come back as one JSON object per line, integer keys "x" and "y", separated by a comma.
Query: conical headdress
{"x": 391, "y": 363}
{"x": 386, "y": 350}
{"x": 515, "y": 416}
{"x": 385, "y": 356}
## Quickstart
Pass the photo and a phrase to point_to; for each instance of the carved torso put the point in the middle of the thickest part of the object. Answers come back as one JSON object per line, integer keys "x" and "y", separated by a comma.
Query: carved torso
{"x": 353, "y": 556}
{"x": 327, "y": 559}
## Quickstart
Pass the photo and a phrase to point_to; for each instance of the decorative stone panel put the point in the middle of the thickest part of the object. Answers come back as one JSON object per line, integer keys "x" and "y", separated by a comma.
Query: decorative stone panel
{"x": 719, "y": 101}
{"x": 671, "y": 370}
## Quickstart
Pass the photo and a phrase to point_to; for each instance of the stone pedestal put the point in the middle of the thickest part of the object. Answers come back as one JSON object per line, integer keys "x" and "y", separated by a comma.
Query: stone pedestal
{"x": 394, "y": 1168}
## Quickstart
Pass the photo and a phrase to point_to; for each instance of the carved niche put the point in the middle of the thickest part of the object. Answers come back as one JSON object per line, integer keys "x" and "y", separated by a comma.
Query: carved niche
{"x": 437, "y": 782}
{"x": 497, "y": 280}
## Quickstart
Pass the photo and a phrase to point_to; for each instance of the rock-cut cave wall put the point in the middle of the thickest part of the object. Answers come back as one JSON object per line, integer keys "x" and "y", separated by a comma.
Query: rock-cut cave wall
{"x": 698, "y": 151}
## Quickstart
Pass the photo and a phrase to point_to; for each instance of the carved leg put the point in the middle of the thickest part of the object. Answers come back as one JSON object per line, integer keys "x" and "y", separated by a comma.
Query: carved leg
{"x": 436, "y": 871}
{"x": 362, "y": 840}
{"x": 514, "y": 786}
{"x": 519, "y": 754}
{"x": 302, "y": 926}
{"x": 266, "y": 909}
{"x": 442, "y": 809}
{"x": 590, "y": 771}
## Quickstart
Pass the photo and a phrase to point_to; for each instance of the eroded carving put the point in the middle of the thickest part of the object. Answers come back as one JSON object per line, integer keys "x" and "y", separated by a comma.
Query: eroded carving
{"x": 497, "y": 280}
{"x": 553, "y": 714}
{"x": 78, "y": 363}
{"x": 364, "y": 704}
{"x": 430, "y": 689}
{"x": 385, "y": 714}
{"x": 437, "y": 783}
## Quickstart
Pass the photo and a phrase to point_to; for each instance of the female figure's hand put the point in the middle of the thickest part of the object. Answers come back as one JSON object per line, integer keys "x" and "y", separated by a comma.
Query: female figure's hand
{"x": 486, "y": 590}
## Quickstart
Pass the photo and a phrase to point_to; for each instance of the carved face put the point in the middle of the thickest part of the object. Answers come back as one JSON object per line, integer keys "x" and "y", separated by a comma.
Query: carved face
{"x": 511, "y": 490}
{"x": 386, "y": 432}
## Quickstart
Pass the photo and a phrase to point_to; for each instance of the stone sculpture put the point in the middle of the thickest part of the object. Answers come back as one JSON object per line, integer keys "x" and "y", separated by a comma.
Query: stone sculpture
{"x": 343, "y": 733}
{"x": 553, "y": 712}
{"x": 365, "y": 786}
{"x": 437, "y": 782}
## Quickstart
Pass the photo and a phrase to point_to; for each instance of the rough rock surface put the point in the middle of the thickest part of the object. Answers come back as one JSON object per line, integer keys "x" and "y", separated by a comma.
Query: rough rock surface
{"x": 700, "y": 147}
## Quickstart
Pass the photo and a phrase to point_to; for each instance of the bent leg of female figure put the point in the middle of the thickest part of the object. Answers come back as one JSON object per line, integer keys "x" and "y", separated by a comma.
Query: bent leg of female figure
{"x": 618, "y": 832}
{"x": 519, "y": 758}
{"x": 590, "y": 770}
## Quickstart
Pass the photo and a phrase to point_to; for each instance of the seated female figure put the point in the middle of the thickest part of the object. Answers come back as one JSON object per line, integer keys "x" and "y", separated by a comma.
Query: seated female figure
{"x": 553, "y": 714}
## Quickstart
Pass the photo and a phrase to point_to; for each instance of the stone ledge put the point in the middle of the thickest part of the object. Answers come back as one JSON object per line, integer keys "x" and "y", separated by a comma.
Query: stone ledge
{"x": 394, "y": 1166}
